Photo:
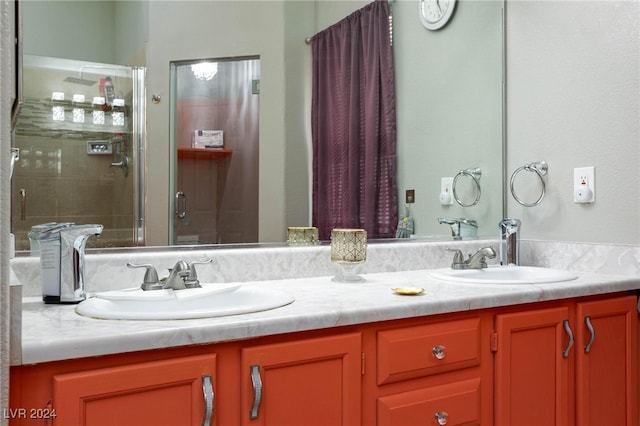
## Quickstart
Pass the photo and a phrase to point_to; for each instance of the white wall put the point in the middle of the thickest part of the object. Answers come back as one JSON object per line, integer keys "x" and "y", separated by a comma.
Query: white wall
{"x": 573, "y": 78}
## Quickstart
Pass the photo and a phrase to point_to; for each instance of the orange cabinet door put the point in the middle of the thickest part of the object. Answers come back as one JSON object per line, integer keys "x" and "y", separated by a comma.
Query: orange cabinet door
{"x": 606, "y": 362}
{"x": 532, "y": 374}
{"x": 456, "y": 403}
{"x": 307, "y": 382}
{"x": 170, "y": 392}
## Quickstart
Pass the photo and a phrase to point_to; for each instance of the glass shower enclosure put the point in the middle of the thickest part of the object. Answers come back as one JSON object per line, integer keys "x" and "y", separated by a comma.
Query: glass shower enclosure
{"x": 80, "y": 137}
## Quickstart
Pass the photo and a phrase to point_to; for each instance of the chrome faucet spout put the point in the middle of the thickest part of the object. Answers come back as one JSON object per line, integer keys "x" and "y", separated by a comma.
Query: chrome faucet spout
{"x": 479, "y": 259}
{"x": 509, "y": 241}
{"x": 177, "y": 276}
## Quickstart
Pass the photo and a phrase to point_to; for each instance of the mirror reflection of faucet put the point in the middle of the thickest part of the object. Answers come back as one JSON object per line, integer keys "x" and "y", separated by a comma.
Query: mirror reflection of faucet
{"x": 509, "y": 241}
{"x": 461, "y": 228}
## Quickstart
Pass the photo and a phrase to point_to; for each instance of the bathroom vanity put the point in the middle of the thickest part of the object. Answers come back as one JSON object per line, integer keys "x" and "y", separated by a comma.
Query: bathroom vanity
{"x": 346, "y": 354}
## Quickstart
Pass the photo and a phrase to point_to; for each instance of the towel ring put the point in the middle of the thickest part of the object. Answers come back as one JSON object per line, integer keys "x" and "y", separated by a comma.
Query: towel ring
{"x": 474, "y": 174}
{"x": 540, "y": 168}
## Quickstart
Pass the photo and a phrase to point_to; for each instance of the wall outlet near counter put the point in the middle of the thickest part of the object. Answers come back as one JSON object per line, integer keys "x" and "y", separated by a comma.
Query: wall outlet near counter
{"x": 446, "y": 188}
{"x": 584, "y": 185}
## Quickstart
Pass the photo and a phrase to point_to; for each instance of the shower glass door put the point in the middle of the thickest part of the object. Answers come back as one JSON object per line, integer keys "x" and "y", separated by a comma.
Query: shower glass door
{"x": 215, "y": 147}
{"x": 80, "y": 135}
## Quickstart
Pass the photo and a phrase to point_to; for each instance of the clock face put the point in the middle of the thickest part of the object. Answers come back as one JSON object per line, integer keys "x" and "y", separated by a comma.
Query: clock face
{"x": 434, "y": 14}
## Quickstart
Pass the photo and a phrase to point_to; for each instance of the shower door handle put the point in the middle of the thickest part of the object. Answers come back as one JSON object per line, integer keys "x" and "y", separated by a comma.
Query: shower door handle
{"x": 181, "y": 205}
{"x": 23, "y": 204}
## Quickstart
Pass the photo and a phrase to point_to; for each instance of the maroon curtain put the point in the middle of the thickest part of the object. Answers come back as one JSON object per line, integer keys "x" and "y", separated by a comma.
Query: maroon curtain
{"x": 353, "y": 122}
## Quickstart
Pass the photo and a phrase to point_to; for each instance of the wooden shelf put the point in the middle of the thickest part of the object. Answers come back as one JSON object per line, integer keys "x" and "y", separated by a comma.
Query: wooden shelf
{"x": 203, "y": 153}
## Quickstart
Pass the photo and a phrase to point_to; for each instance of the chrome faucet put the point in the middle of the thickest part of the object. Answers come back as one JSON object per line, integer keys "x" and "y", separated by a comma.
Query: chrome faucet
{"x": 62, "y": 261}
{"x": 461, "y": 227}
{"x": 477, "y": 260}
{"x": 182, "y": 276}
{"x": 509, "y": 241}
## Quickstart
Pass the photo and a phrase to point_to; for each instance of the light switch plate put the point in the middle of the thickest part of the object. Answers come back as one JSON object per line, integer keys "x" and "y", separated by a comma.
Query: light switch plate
{"x": 410, "y": 196}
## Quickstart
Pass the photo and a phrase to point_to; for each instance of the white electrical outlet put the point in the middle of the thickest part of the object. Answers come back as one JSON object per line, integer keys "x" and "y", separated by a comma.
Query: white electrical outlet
{"x": 584, "y": 185}
{"x": 446, "y": 196}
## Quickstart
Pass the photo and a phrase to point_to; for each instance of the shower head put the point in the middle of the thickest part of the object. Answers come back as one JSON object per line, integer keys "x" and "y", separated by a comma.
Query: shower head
{"x": 81, "y": 81}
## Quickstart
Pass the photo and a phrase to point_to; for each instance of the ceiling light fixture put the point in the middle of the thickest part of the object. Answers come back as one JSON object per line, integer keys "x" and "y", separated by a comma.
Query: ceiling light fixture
{"x": 204, "y": 70}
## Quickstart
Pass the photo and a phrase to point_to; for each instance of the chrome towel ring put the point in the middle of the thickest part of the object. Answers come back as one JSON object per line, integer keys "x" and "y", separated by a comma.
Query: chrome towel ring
{"x": 475, "y": 174}
{"x": 540, "y": 168}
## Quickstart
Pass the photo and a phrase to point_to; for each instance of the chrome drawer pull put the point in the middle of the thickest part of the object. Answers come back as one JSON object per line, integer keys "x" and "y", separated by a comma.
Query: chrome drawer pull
{"x": 209, "y": 398}
{"x": 441, "y": 417}
{"x": 438, "y": 351}
{"x": 257, "y": 390}
{"x": 567, "y": 328}
{"x": 587, "y": 348}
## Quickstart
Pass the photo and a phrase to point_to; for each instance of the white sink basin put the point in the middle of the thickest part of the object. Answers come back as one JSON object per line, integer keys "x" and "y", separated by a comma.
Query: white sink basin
{"x": 504, "y": 275}
{"x": 212, "y": 300}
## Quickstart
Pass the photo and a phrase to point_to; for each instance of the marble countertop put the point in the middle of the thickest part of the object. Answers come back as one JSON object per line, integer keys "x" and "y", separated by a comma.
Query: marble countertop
{"x": 56, "y": 332}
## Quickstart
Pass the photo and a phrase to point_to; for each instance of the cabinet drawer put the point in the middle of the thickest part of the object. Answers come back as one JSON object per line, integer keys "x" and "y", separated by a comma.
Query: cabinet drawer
{"x": 418, "y": 351}
{"x": 456, "y": 403}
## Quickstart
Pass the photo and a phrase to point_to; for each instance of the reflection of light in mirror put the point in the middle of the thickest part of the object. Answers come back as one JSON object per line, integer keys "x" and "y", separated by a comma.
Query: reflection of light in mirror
{"x": 204, "y": 70}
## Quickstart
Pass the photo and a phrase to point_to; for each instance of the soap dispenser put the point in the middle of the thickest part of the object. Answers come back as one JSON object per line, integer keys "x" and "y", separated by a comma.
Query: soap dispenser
{"x": 62, "y": 262}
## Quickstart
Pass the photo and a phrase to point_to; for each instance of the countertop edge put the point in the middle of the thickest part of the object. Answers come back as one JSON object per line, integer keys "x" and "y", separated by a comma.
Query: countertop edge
{"x": 56, "y": 332}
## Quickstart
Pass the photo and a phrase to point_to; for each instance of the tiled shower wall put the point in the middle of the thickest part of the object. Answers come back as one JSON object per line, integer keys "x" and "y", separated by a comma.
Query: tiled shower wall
{"x": 62, "y": 183}
{"x": 55, "y": 179}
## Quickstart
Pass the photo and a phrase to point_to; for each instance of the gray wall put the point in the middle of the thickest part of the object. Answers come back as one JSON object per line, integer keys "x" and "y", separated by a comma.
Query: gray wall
{"x": 573, "y": 99}
{"x": 71, "y": 29}
{"x": 236, "y": 33}
{"x": 449, "y": 102}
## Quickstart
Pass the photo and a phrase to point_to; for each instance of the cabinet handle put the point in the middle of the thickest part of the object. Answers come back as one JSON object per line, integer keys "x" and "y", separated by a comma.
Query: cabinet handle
{"x": 209, "y": 400}
{"x": 438, "y": 351}
{"x": 441, "y": 417}
{"x": 587, "y": 348}
{"x": 567, "y": 328}
{"x": 257, "y": 390}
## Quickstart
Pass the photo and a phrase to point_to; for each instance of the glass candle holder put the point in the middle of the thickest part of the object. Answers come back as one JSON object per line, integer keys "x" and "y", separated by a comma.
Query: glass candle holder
{"x": 302, "y": 235}
{"x": 348, "y": 250}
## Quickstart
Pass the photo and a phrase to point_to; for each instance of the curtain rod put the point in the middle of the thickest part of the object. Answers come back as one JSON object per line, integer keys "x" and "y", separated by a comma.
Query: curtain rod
{"x": 308, "y": 39}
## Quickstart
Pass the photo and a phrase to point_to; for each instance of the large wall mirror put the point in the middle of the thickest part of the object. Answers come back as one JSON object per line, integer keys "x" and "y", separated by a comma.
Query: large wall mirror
{"x": 449, "y": 94}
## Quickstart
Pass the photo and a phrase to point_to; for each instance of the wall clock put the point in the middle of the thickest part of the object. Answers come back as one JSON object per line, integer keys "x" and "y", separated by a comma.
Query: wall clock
{"x": 434, "y": 14}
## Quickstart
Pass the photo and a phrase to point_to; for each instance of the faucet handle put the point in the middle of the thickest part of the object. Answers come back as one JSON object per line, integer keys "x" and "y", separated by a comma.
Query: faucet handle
{"x": 458, "y": 257}
{"x": 150, "y": 281}
{"x": 192, "y": 279}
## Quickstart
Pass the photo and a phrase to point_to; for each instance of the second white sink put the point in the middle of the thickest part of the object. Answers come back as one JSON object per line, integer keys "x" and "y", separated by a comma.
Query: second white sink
{"x": 504, "y": 275}
{"x": 212, "y": 300}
